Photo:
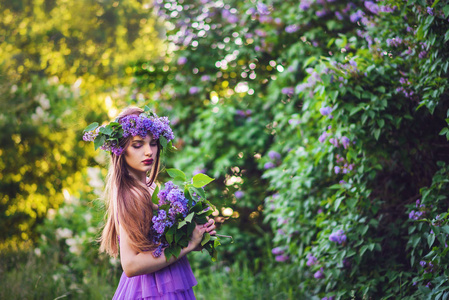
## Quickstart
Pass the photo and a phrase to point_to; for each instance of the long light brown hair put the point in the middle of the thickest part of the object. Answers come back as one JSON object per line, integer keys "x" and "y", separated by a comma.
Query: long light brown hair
{"x": 128, "y": 201}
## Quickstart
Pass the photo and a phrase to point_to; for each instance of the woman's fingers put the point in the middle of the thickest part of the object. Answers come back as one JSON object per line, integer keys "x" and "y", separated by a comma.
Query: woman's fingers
{"x": 210, "y": 226}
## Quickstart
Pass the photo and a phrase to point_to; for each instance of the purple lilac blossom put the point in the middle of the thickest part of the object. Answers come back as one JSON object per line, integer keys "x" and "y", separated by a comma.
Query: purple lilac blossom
{"x": 288, "y": 90}
{"x": 345, "y": 142}
{"x": 277, "y": 251}
{"x": 326, "y": 110}
{"x": 321, "y": 13}
{"x": 422, "y": 263}
{"x": 262, "y": 9}
{"x": 239, "y": 194}
{"x": 269, "y": 165}
{"x": 193, "y": 90}
{"x": 274, "y": 155}
{"x": 319, "y": 274}
{"x": 205, "y": 78}
{"x": 422, "y": 54}
{"x": 339, "y": 15}
{"x": 334, "y": 142}
{"x": 372, "y": 7}
{"x": 182, "y": 60}
{"x": 430, "y": 10}
{"x": 197, "y": 171}
{"x": 356, "y": 16}
{"x": 337, "y": 169}
{"x": 294, "y": 122}
{"x": 338, "y": 236}
{"x": 291, "y": 28}
{"x": 232, "y": 19}
{"x": 305, "y": 4}
{"x": 311, "y": 260}
{"x": 281, "y": 258}
{"x": 323, "y": 137}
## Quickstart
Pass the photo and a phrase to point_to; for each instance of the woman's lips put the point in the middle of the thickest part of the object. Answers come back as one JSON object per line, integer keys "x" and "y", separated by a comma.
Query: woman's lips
{"x": 148, "y": 161}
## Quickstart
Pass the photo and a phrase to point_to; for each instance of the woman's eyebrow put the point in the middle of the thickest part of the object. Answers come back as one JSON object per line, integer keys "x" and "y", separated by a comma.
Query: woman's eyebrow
{"x": 137, "y": 141}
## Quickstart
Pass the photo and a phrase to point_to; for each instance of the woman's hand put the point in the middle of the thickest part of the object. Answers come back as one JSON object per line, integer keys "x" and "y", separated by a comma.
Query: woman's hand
{"x": 210, "y": 227}
{"x": 198, "y": 232}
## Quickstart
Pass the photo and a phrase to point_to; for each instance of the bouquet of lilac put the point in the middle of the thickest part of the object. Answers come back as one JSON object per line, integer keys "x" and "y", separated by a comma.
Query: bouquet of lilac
{"x": 182, "y": 204}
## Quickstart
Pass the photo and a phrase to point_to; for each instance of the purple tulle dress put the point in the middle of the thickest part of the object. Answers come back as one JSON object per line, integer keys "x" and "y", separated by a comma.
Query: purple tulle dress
{"x": 174, "y": 282}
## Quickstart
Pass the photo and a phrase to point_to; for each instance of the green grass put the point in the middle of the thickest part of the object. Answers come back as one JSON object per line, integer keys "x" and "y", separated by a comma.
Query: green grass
{"x": 27, "y": 276}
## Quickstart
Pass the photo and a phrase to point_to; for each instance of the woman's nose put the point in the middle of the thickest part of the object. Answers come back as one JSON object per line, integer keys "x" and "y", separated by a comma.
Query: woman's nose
{"x": 148, "y": 151}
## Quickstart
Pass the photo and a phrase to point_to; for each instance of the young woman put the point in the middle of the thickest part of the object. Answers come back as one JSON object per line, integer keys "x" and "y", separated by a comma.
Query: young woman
{"x": 135, "y": 160}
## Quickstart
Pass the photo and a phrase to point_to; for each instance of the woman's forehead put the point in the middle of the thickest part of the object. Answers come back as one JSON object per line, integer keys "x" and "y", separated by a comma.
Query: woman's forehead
{"x": 148, "y": 137}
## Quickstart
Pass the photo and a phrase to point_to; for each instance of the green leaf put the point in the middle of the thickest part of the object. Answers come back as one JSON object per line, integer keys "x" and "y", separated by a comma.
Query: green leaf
{"x": 381, "y": 122}
{"x": 337, "y": 203}
{"x": 99, "y": 140}
{"x": 446, "y": 11}
{"x": 176, "y": 251}
{"x": 444, "y": 131}
{"x": 205, "y": 239}
{"x": 200, "y": 180}
{"x": 182, "y": 223}
{"x": 173, "y": 173}
{"x": 197, "y": 208}
{"x": 309, "y": 61}
{"x": 91, "y": 127}
{"x": 179, "y": 235}
{"x": 189, "y": 217}
{"x": 163, "y": 141}
{"x": 169, "y": 238}
{"x": 354, "y": 110}
{"x": 168, "y": 253}
{"x": 106, "y": 130}
{"x": 376, "y": 133}
{"x": 199, "y": 191}
{"x": 178, "y": 180}
{"x": 154, "y": 197}
{"x": 190, "y": 228}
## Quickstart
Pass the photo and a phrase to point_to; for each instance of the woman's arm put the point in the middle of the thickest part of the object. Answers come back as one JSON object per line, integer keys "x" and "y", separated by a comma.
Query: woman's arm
{"x": 139, "y": 263}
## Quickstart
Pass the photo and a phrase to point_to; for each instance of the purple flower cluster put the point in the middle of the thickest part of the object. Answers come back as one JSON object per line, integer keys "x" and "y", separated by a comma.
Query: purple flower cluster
{"x": 230, "y": 17}
{"x": 419, "y": 213}
{"x": 279, "y": 254}
{"x": 275, "y": 158}
{"x": 394, "y": 42}
{"x": 319, "y": 274}
{"x": 291, "y": 28}
{"x": 344, "y": 167}
{"x": 239, "y": 194}
{"x": 194, "y": 90}
{"x": 343, "y": 141}
{"x": 428, "y": 266}
{"x": 89, "y": 136}
{"x": 177, "y": 203}
{"x": 244, "y": 113}
{"x": 338, "y": 236}
{"x": 139, "y": 125}
{"x": 326, "y": 111}
{"x": 113, "y": 147}
{"x": 288, "y": 91}
{"x": 311, "y": 260}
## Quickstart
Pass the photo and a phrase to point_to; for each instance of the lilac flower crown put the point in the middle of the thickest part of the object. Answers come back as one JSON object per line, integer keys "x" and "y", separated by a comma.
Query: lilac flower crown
{"x": 107, "y": 137}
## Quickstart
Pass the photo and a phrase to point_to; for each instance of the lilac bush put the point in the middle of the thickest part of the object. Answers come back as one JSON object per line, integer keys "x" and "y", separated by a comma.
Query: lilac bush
{"x": 366, "y": 83}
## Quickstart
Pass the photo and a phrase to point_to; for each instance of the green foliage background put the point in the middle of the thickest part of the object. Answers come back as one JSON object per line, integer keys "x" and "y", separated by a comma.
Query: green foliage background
{"x": 313, "y": 116}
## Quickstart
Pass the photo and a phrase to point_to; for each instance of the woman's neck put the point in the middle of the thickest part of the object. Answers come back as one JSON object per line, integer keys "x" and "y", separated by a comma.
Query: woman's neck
{"x": 140, "y": 176}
